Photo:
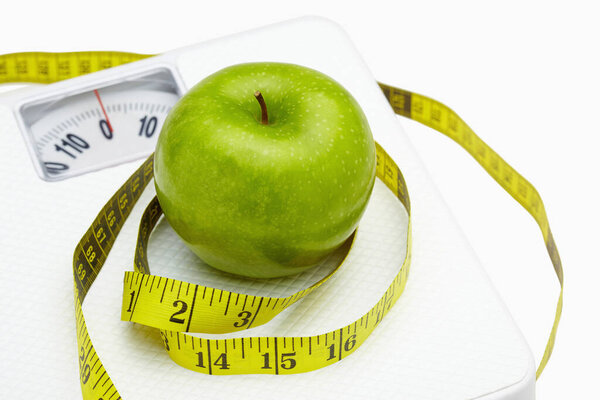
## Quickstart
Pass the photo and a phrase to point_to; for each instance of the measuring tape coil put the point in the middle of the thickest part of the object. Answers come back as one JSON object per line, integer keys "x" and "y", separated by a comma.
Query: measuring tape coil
{"x": 177, "y": 308}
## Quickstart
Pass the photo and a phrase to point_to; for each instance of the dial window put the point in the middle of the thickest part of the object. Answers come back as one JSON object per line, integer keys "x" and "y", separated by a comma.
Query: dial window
{"x": 77, "y": 132}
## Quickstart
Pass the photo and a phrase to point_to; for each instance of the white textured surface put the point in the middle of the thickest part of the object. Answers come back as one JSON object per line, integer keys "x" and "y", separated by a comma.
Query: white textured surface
{"x": 448, "y": 336}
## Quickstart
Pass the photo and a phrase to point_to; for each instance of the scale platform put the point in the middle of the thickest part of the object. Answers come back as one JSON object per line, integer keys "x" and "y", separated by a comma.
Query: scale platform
{"x": 449, "y": 336}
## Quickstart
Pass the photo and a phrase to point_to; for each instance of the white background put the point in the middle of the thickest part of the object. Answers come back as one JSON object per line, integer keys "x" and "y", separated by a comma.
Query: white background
{"x": 523, "y": 74}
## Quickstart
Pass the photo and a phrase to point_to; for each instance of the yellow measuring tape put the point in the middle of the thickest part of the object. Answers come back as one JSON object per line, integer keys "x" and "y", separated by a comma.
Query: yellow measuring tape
{"x": 176, "y": 307}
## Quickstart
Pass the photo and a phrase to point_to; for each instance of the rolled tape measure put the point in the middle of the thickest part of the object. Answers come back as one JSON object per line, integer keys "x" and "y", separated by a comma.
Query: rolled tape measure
{"x": 176, "y": 307}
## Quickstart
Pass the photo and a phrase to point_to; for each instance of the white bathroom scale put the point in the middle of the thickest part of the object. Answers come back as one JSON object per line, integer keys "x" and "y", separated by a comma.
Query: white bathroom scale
{"x": 449, "y": 336}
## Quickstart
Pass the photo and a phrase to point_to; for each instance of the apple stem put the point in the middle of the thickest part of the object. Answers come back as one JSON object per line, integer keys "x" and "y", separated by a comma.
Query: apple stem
{"x": 263, "y": 107}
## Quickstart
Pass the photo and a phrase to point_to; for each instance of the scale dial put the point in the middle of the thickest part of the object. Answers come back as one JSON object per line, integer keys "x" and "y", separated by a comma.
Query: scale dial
{"x": 99, "y": 127}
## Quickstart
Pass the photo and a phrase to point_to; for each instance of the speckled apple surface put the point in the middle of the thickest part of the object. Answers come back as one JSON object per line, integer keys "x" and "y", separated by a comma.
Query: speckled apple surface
{"x": 448, "y": 337}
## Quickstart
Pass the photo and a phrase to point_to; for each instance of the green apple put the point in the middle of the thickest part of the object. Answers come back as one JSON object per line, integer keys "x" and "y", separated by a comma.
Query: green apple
{"x": 263, "y": 169}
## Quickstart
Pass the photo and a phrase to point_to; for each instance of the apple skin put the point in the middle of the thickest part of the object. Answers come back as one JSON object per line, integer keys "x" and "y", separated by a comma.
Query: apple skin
{"x": 269, "y": 200}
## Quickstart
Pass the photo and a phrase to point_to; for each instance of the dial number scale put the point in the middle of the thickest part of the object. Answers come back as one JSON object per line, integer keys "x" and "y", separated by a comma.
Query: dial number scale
{"x": 73, "y": 139}
{"x": 98, "y": 127}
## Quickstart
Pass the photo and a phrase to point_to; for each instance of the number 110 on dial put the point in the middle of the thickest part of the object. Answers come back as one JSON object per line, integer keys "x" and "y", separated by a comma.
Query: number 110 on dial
{"x": 98, "y": 127}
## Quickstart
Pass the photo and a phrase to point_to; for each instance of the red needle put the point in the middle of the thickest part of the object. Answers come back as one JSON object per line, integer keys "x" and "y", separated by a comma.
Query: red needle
{"x": 103, "y": 110}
